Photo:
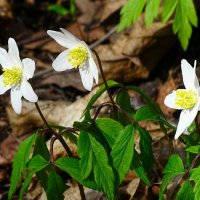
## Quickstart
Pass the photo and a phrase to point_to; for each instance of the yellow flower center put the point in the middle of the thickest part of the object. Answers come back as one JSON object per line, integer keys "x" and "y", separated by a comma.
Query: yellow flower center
{"x": 185, "y": 98}
{"x": 12, "y": 76}
{"x": 77, "y": 56}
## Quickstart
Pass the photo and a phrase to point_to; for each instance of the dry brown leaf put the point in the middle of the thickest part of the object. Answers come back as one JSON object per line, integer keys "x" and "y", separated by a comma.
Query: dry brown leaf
{"x": 111, "y": 6}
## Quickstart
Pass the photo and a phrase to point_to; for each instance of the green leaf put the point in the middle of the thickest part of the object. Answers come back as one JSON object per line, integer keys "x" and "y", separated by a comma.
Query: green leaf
{"x": 109, "y": 128}
{"x": 130, "y": 12}
{"x": 194, "y": 149}
{"x": 58, "y": 9}
{"x": 122, "y": 151}
{"x": 56, "y": 187}
{"x": 95, "y": 159}
{"x": 195, "y": 176}
{"x": 37, "y": 163}
{"x": 103, "y": 172}
{"x": 168, "y": 9}
{"x": 85, "y": 153}
{"x": 185, "y": 17}
{"x": 146, "y": 113}
{"x": 19, "y": 163}
{"x": 71, "y": 166}
{"x": 139, "y": 169}
{"x": 185, "y": 192}
{"x": 41, "y": 149}
{"x": 146, "y": 150}
{"x": 99, "y": 92}
{"x": 151, "y": 11}
{"x": 123, "y": 100}
{"x": 173, "y": 168}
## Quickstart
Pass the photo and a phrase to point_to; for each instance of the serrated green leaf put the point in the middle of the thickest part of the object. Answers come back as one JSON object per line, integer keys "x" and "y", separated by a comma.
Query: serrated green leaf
{"x": 151, "y": 11}
{"x": 146, "y": 150}
{"x": 99, "y": 92}
{"x": 168, "y": 9}
{"x": 123, "y": 100}
{"x": 185, "y": 17}
{"x": 130, "y": 12}
{"x": 139, "y": 169}
{"x": 40, "y": 148}
{"x": 146, "y": 113}
{"x": 85, "y": 153}
{"x": 71, "y": 166}
{"x": 195, "y": 176}
{"x": 185, "y": 192}
{"x": 37, "y": 163}
{"x": 173, "y": 168}
{"x": 103, "y": 172}
{"x": 109, "y": 128}
{"x": 122, "y": 151}
{"x": 19, "y": 164}
{"x": 194, "y": 149}
{"x": 56, "y": 187}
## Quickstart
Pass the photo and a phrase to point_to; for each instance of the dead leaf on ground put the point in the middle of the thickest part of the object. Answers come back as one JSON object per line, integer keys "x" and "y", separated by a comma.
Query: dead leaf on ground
{"x": 111, "y": 6}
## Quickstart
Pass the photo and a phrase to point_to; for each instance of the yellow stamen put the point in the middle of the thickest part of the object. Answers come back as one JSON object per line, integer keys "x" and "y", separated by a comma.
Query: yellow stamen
{"x": 185, "y": 98}
{"x": 77, "y": 56}
{"x": 12, "y": 76}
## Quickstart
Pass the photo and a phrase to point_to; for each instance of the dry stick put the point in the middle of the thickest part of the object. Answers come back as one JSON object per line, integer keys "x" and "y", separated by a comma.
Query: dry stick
{"x": 62, "y": 141}
{"x": 104, "y": 78}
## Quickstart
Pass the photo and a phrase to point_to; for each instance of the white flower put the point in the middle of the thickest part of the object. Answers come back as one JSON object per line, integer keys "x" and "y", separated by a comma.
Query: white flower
{"x": 187, "y": 100}
{"x": 15, "y": 76}
{"x": 77, "y": 55}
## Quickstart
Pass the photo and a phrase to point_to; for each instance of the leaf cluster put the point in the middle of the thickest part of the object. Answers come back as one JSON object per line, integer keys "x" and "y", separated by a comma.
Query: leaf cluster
{"x": 182, "y": 12}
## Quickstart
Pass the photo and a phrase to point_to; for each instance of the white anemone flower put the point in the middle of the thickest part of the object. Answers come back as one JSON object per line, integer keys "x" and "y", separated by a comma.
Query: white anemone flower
{"x": 78, "y": 55}
{"x": 15, "y": 76}
{"x": 187, "y": 100}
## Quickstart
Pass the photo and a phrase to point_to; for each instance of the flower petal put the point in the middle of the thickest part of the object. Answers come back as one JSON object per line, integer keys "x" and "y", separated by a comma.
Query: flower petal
{"x": 62, "y": 39}
{"x": 69, "y": 35}
{"x": 29, "y": 67}
{"x": 61, "y": 62}
{"x": 94, "y": 70}
{"x": 27, "y": 92}
{"x": 14, "y": 52}
{"x": 185, "y": 120}
{"x": 86, "y": 76}
{"x": 3, "y": 88}
{"x": 189, "y": 75}
{"x": 5, "y": 59}
{"x": 16, "y": 101}
{"x": 170, "y": 101}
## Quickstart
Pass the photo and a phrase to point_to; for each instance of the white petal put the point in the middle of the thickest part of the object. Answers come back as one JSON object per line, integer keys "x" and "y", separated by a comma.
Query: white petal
{"x": 3, "y": 88}
{"x": 16, "y": 101}
{"x": 27, "y": 92}
{"x": 185, "y": 120}
{"x": 28, "y": 67}
{"x": 170, "y": 101}
{"x": 69, "y": 35}
{"x": 62, "y": 39}
{"x": 14, "y": 52}
{"x": 5, "y": 59}
{"x": 61, "y": 62}
{"x": 86, "y": 77}
{"x": 94, "y": 69}
{"x": 189, "y": 75}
